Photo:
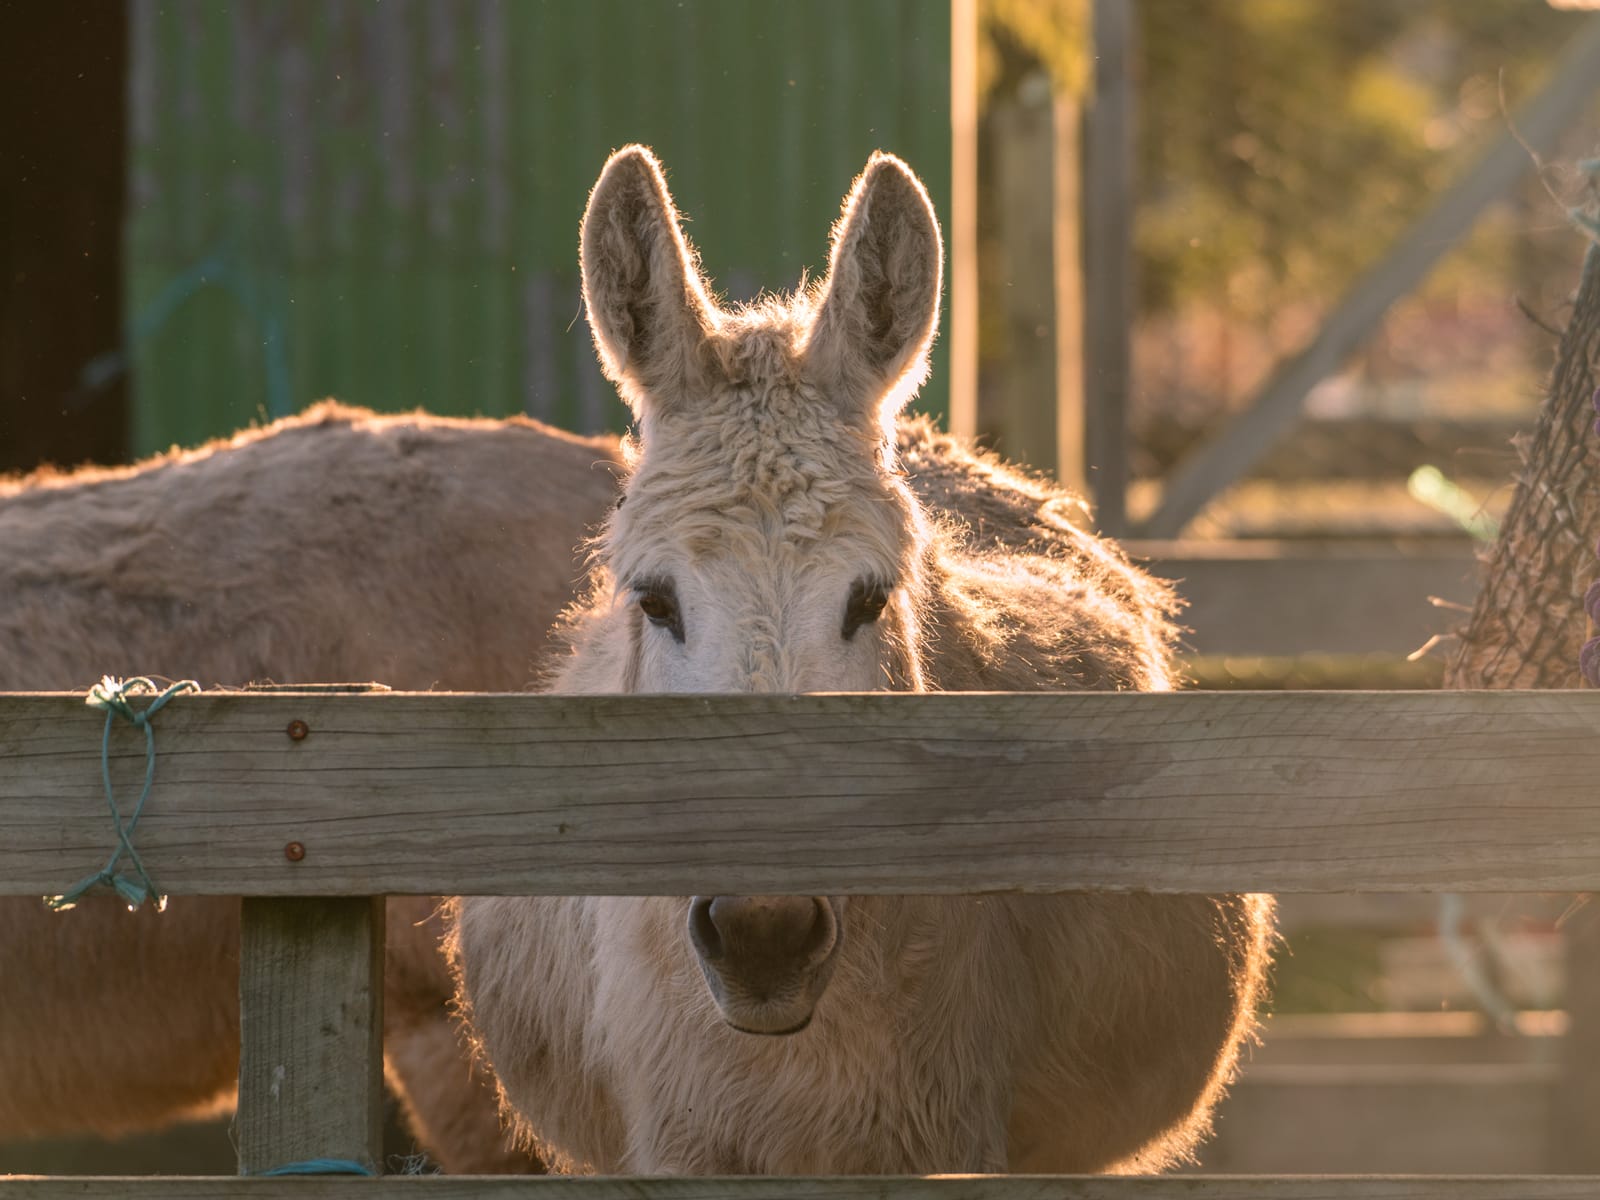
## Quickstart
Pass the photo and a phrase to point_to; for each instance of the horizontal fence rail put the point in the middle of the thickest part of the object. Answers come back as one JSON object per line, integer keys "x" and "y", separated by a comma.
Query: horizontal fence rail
{"x": 314, "y": 796}
{"x": 972, "y": 1187}
{"x": 324, "y": 795}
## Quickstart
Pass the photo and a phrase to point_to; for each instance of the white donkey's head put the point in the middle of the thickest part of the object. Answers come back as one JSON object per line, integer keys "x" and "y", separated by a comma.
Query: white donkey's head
{"x": 766, "y": 543}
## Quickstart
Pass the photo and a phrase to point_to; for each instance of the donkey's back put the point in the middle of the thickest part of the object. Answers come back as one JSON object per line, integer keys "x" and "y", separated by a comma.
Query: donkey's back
{"x": 419, "y": 551}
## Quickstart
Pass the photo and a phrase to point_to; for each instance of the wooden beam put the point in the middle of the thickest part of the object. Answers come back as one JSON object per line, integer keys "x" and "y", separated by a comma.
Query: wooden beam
{"x": 1066, "y": 241}
{"x": 1277, "y": 406}
{"x": 962, "y": 230}
{"x": 1461, "y": 1119}
{"x": 310, "y": 1032}
{"x": 948, "y": 1187}
{"x": 1022, "y": 143}
{"x": 1340, "y": 596}
{"x": 1409, "y": 913}
{"x": 1577, "y": 1115}
{"x": 952, "y": 793}
{"x": 1107, "y": 198}
{"x": 1398, "y": 1041}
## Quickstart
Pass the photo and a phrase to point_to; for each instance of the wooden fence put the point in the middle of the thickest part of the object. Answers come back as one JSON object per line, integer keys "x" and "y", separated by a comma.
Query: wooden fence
{"x": 408, "y": 793}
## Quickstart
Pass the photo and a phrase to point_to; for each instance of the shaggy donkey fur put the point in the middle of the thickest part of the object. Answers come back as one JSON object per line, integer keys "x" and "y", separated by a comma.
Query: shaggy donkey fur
{"x": 337, "y": 545}
{"x": 422, "y": 552}
{"x": 1062, "y": 1033}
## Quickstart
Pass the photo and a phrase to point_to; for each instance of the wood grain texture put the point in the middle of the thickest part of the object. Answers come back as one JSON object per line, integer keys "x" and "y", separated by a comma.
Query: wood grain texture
{"x": 1577, "y": 1115}
{"x": 976, "y": 1187}
{"x": 1473, "y": 1119}
{"x": 310, "y": 1032}
{"x": 1022, "y": 399}
{"x": 1329, "y": 597}
{"x": 1490, "y": 791}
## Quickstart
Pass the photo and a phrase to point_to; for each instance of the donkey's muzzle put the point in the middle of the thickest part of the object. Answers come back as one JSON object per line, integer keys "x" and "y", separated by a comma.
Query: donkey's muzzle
{"x": 766, "y": 959}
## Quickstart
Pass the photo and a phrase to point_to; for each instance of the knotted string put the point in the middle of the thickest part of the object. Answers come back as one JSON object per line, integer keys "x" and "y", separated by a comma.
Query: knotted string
{"x": 113, "y": 696}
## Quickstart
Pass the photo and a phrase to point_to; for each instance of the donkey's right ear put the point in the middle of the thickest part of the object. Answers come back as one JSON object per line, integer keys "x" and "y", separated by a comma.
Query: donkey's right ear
{"x": 648, "y": 306}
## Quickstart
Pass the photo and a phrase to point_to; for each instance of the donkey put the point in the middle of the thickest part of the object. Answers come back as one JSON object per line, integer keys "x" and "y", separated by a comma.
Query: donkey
{"x": 768, "y": 543}
{"x": 337, "y": 545}
{"x": 423, "y": 552}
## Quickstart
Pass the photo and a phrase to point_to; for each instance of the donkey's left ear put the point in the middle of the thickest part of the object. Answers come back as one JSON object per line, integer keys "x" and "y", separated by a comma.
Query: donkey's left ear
{"x": 880, "y": 306}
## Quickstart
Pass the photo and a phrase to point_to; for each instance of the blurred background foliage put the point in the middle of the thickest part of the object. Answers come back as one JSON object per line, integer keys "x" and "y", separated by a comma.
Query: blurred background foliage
{"x": 1288, "y": 142}
{"x": 1283, "y": 146}
{"x": 1284, "y": 143}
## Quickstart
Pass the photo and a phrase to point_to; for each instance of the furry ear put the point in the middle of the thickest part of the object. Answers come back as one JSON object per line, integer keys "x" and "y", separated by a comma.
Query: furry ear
{"x": 647, "y": 304}
{"x": 880, "y": 306}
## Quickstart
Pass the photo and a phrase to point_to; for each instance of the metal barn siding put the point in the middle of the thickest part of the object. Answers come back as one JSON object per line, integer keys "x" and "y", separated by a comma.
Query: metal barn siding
{"x": 380, "y": 201}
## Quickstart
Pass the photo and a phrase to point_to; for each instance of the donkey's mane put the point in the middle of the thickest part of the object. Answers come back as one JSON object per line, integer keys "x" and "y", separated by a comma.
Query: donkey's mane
{"x": 998, "y": 520}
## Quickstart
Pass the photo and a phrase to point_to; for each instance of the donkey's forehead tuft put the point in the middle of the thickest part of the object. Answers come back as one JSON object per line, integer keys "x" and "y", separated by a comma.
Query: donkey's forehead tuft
{"x": 761, "y": 346}
{"x": 768, "y": 460}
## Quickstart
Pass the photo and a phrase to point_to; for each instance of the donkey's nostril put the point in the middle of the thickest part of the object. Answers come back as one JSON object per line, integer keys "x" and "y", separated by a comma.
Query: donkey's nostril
{"x": 766, "y": 959}
{"x": 793, "y": 930}
{"x": 820, "y": 938}
{"x": 703, "y": 930}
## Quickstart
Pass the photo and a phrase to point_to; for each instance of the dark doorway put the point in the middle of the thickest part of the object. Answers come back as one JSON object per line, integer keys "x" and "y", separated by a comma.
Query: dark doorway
{"x": 63, "y": 77}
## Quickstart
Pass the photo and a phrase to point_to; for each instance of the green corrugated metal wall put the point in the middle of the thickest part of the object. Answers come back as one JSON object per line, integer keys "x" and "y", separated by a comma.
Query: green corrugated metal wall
{"x": 380, "y": 201}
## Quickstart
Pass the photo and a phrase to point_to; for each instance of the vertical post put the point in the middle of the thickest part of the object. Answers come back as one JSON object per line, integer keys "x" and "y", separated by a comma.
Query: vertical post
{"x": 1108, "y": 262}
{"x": 1021, "y": 145}
{"x": 1066, "y": 206}
{"x": 963, "y": 230}
{"x": 1577, "y": 1107}
{"x": 310, "y": 1031}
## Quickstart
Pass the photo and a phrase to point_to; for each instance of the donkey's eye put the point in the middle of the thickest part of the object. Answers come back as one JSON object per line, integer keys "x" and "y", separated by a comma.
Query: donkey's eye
{"x": 867, "y": 600}
{"x": 658, "y": 601}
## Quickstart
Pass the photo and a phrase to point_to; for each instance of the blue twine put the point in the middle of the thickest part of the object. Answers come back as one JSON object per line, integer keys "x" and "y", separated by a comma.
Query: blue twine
{"x": 112, "y": 695}
{"x": 220, "y": 268}
{"x": 319, "y": 1166}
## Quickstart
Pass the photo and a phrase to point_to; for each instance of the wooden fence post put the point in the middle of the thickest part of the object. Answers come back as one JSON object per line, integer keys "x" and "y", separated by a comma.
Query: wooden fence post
{"x": 1577, "y": 1108}
{"x": 962, "y": 232}
{"x": 1107, "y": 198}
{"x": 310, "y": 1031}
{"x": 1023, "y": 145}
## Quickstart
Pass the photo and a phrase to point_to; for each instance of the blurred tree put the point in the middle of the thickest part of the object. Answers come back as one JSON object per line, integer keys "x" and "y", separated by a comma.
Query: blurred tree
{"x": 1285, "y": 143}
{"x": 1017, "y": 37}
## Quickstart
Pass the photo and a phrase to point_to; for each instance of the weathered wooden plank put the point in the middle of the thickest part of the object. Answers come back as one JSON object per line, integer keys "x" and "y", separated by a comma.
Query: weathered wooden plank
{"x": 1399, "y": 912}
{"x": 953, "y": 1187}
{"x": 1022, "y": 138}
{"x": 310, "y": 1032}
{"x": 1577, "y": 1116}
{"x": 1066, "y": 242}
{"x": 1295, "y": 597}
{"x": 961, "y": 230}
{"x": 1468, "y": 791}
{"x": 1108, "y": 300}
{"x": 1475, "y": 1119}
{"x": 1400, "y": 1040}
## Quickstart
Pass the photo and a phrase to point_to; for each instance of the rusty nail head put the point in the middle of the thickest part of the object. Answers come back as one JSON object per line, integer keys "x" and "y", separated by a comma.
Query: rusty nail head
{"x": 294, "y": 851}
{"x": 298, "y": 731}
